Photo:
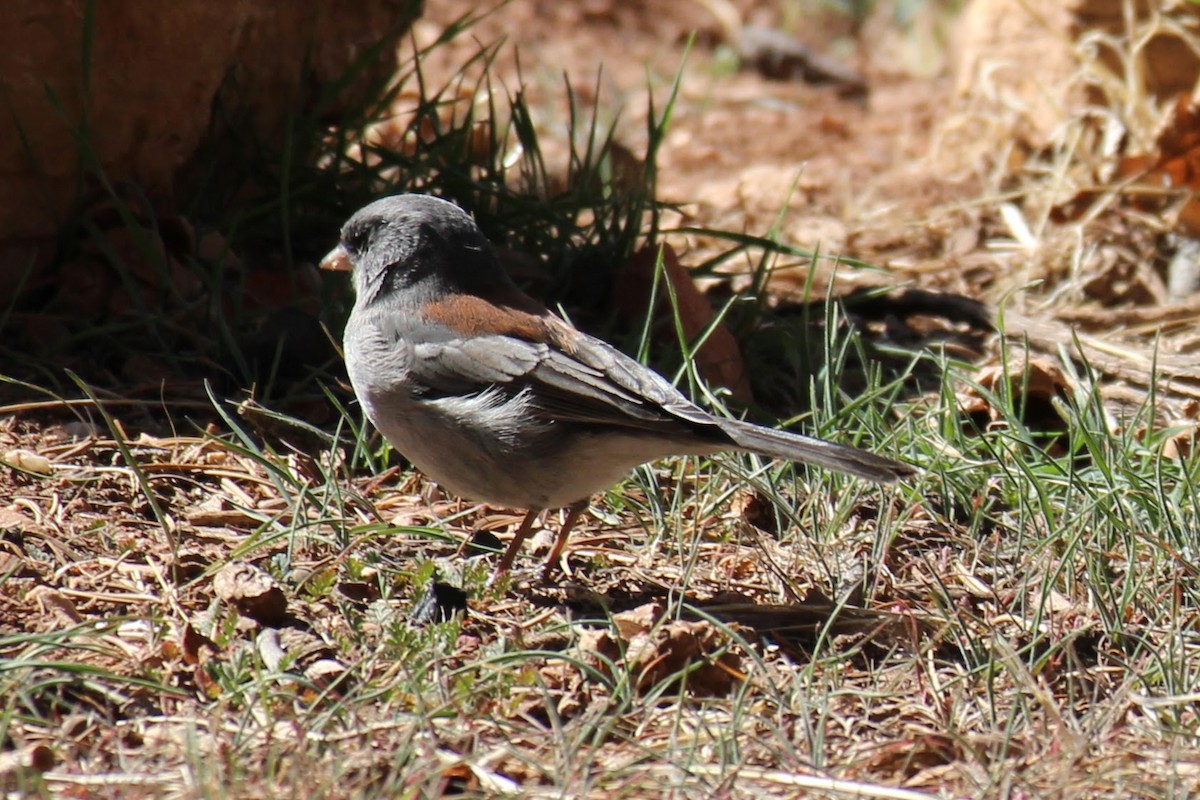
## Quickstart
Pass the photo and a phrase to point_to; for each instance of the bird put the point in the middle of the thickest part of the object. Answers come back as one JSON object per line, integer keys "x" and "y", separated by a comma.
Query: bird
{"x": 499, "y": 400}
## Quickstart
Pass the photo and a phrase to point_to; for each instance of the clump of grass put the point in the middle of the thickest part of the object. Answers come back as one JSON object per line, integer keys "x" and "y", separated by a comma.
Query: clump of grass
{"x": 275, "y": 208}
{"x": 298, "y": 511}
{"x": 1045, "y": 598}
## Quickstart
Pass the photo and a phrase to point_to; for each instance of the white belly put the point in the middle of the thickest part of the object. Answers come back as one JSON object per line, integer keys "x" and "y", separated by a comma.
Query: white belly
{"x": 488, "y": 448}
{"x": 492, "y": 446}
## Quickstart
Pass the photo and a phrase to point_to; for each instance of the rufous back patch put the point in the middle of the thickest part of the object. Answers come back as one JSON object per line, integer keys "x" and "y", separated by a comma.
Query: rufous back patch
{"x": 504, "y": 312}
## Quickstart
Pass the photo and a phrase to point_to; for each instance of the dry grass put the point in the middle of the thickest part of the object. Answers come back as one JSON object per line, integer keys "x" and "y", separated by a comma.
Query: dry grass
{"x": 203, "y": 598}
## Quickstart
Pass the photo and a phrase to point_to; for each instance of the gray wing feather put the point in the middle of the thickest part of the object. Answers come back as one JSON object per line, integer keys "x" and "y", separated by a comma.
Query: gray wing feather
{"x": 587, "y": 387}
{"x": 462, "y": 365}
{"x": 599, "y": 385}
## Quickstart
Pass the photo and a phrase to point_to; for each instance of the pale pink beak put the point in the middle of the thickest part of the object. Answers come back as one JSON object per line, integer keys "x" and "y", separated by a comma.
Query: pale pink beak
{"x": 337, "y": 260}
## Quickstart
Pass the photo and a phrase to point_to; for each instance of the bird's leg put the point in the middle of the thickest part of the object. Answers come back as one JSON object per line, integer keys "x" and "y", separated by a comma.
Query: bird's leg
{"x": 519, "y": 538}
{"x": 560, "y": 541}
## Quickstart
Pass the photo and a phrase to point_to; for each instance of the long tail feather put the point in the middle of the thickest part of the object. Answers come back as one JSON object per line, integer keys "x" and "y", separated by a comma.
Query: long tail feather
{"x": 794, "y": 447}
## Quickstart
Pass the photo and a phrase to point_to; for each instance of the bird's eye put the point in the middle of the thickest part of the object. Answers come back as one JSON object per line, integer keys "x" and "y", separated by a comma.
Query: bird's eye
{"x": 355, "y": 240}
{"x": 358, "y": 238}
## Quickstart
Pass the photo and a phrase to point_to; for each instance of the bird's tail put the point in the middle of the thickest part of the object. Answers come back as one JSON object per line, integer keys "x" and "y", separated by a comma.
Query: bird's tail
{"x": 806, "y": 449}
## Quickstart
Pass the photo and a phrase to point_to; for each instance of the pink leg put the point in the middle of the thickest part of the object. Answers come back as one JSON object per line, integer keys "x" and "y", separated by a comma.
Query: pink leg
{"x": 510, "y": 555}
{"x": 560, "y": 541}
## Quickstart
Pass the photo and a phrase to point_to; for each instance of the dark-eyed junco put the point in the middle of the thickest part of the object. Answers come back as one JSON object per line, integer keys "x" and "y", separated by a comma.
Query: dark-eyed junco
{"x": 501, "y": 401}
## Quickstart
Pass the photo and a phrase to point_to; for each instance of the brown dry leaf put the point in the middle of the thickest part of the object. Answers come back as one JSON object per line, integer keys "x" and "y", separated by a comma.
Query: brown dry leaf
{"x": 753, "y": 507}
{"x": 637, "y": 620}
{"x": 600, "y": 649}
{"x": 563, "y": 679}
{"x": 53, "y": 602}
{"x": 1179, "y": 142}
{"x": 169, "y": 650}
{"x": 27, "y": 461}
{"x": 328, "y": 674}
{"x": 655, "y": 651}
{"x": 1034, "y": 383}
{"x": 1176, "y": 167}
{"x": 1045, "y": 379}
{"x": 26, "y": 761}
{"x": 207, "y": 685}
{"x": 195, "y": 644}
{"x": 252, "y": 592}
{"x": 719, "y": 360}
{"x": 303, "y": 644}
{"x": 458, "y": 779}
{"x": 14, "y": 519}
{"x": 661, "y": 654}
{"x": 904, "y": 760}
{"x": 1180, "y": 445}
{"x": 1116, "y": 276}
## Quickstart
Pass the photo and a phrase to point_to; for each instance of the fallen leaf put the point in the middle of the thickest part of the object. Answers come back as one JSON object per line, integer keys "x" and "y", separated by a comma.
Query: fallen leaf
{"x": 654, "y": 651}
{"x": 1034, "y": 384}
{"x": 755, "y": 509}
{"x": 195, "y": 644}
{"x": 328, "y": 674}
{"x": 1037, "y": 377}
{"x": 27, "y": 461}
{"x": 252, "y": 592}
{"x": 13, "y": 519}
{"x": 1180, "y": 445}
{"x": 1175, "y": 167}
{"x": 51, "y": 601}
{"x": 24, "y": 762}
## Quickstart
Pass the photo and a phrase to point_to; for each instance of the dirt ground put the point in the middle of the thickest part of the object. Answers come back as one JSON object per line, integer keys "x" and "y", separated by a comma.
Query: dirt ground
{"x": 933, "y": 188}
{"x": 853, "y": 173}
{"x": 950, "y": 173}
